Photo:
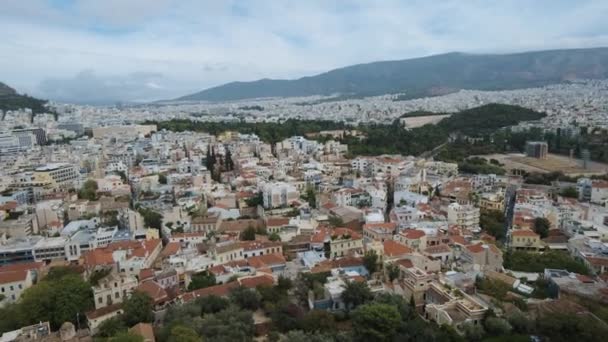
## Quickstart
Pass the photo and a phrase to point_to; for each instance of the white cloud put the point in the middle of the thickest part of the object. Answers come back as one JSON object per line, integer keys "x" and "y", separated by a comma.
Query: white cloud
{"x": 197, "y": 44}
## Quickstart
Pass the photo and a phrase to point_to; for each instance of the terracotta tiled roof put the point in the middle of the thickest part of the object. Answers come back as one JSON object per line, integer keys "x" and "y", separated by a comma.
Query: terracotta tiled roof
{"x": 413, "y": 234}
{"x": 103, "y": 311}
{"x": 255, "y": 245}
{"x": 405, "y": 263}
{"x": 13, "y": 276}
{"x": 146, "y": 273}
{"x": 266, "y": 260}
{"x": 98, "y": 257}
{"x": 478, "y": 248}
{"x": 253, "y": 282}
{"x": 387, "y": 227}
{"x": 524, "y": 232}
{"x": 394, "y": 248}
{"x": 458, "y": 239}
{"x": 595, "y": 261}
{"x": 221, "y": 290}
{"x": 171, "y": 248}
{"x": 277, "y": 221}
{"x": 154, "y": 290}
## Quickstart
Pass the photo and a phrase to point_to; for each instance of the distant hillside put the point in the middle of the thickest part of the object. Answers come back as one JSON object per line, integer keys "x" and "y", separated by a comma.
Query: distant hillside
{"x": 428, "y": 76}
{"x": 11, "y": 100}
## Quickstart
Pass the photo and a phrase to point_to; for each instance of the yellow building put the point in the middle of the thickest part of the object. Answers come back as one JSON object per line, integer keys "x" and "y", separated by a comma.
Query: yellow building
{"x": 525, "y": 239}
{"x": 345, "y": 242}
{"x": 492, "y": 201}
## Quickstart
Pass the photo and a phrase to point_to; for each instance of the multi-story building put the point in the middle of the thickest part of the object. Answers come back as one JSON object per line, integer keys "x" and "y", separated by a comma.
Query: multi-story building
{"x": 13, "y": 281}
{"x": 464, "y": 216}
{"x": 63, "y": 175}
{"x": 113, "y": 289}
{"x": 279, "y": 194}
{"x": 524, "y": 239}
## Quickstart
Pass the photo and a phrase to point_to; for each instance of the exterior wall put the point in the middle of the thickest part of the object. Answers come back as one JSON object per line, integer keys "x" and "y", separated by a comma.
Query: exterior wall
{"x": 12, "y": 291}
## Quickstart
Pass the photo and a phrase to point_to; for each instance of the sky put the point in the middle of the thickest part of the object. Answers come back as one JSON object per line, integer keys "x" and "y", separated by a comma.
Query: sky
{"x": 103, "y": 51}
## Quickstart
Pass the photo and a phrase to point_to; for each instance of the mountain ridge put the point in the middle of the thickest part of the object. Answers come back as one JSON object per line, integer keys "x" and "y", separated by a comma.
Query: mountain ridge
{"x": 422, "y": 76}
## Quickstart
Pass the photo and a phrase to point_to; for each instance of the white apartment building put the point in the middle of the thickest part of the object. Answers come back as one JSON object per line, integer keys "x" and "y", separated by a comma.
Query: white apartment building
{"x": 465, "y": 216}
{"x": 13, "y": 283}
{"x": 279, "y": 194}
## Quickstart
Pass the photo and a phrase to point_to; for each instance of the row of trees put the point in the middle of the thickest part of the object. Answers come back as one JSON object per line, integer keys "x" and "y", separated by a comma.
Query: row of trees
{"x": 537, "y": 262}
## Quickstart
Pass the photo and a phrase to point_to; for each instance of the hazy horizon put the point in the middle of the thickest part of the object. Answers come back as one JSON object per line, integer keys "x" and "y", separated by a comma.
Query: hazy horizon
{"x": 96, "y": 51}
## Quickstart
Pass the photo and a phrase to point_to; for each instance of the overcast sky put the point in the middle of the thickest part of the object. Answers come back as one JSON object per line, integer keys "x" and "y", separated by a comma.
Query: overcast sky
{"x": 137, "y": 50}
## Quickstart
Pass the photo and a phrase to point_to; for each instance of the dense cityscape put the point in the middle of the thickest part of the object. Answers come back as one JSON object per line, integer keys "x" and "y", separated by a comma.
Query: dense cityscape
{"x": 307, "y": 171}
{"x": 139, "y": 227}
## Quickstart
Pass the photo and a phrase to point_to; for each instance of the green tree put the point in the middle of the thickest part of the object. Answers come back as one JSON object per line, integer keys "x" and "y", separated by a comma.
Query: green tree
{"x": 111, "y": 327}
{"x": 126, "y": 337}
{"x": 370, "y": 261}
{"x": 152, "y": 219}
{"x": 248, "y": 234}
{"x": 497, "y": 326}
{"x": 231, "y": 324}
{"x": 376, "y": 322}
{"x": 541, "y": 227}
{"x": 319, "y": 321}
{"x": 569, "y": 192}
{"x": 392, "y": 271}
{"x": 247, "y": 299}
{"x": 138, "y": 309}
{"x": 201, "y": 280}
{"x": 493, "y": 223}
{"x": 57, "y": 301}
{"x": 212, "y": 304}
{"x": 180, "y": 333}
{"x": 473, "y": 332}
{"x": 356, "y": 293}
{"x": 88, "y": 190}
{"x": 274, "y": 237}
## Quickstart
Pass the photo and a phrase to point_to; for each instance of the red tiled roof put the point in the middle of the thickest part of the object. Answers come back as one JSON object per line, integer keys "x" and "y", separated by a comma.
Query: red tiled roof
{"x": 277, "y": 221}
{"x": 154, "y": 290}
{"x": 394, "y": 248}
{"x": 266, "y": 260}
{"x": 388, "y": 226}
{"x": 146, "y": 273}
{"x": 8, "y": 206}
{"x": 405, "y": 263}
{"x": 103, "y": 311}
{"x": 221, "y": 290}
{"x": 98, "y": 257}
{"x": 22, "y": 266}
{"x": 171, "y": 248}
{"x": 413, "y": 234}
{"x": 13, "y": 276}
{"x": 524, "y": 232}
{"x": 253, "y": 282}
{"x": 346, "y": 231}
{"x": 595, "y": 261}
{"x": 255, "y": 245}
{"x": 458, "y": 239}
{"x": 478, "y": 248}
